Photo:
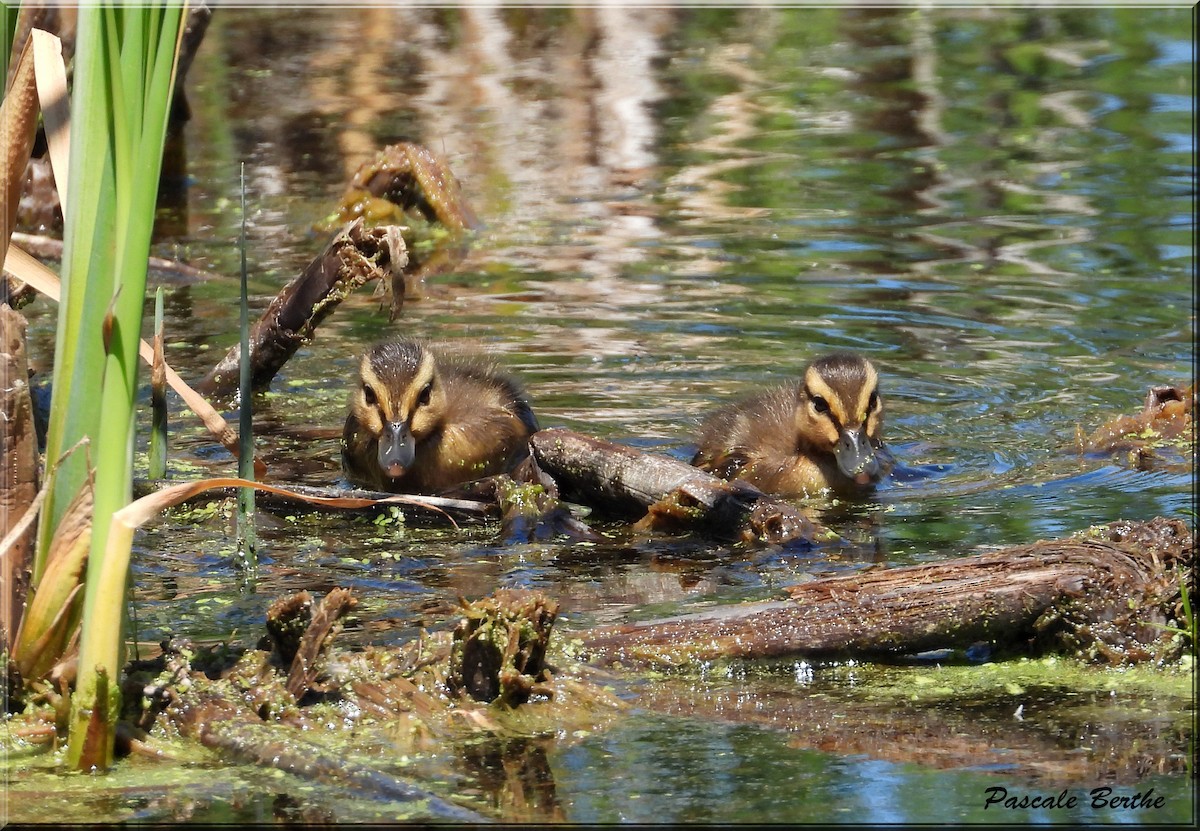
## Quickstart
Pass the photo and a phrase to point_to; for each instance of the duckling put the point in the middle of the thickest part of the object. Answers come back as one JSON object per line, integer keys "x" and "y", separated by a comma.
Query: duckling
{"x": 422, "y": 422}
{"x": 798, "y": 440}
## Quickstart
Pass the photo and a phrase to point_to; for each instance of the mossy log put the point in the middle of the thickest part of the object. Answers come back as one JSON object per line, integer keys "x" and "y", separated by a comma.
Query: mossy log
{"x": 626, "y": 482}
{"x": 1109, "y": 594}
{"x": 355, "y": 256}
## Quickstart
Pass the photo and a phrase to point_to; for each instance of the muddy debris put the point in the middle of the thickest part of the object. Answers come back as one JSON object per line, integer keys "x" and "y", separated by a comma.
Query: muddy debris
{"x": 409, "y": 186}
{"x": 301, "y": 704}
{"x": 499, "y": 650}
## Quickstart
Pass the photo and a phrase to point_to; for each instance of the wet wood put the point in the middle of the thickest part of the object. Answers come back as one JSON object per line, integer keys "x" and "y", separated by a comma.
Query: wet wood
{"x": 1104, "y": 595}
{"x": 18, "y": 470}
{"x": 666, "y": 492}
{"x": 355, "y": 256}
{"x": 310, "y": 651}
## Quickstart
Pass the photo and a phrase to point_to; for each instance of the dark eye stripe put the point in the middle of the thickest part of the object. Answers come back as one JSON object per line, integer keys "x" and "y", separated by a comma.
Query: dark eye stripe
{"x": 369, "y": 395}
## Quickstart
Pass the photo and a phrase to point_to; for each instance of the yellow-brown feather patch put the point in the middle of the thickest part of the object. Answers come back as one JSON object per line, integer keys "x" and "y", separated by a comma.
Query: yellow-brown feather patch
{"x": 864, "y": 394}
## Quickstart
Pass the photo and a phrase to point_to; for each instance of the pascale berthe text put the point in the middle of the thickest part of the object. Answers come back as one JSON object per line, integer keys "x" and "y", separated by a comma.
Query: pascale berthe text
{"x": 1099, "y": 799}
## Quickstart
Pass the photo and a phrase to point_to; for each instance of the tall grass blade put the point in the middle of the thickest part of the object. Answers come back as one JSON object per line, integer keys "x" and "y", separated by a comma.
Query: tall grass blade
{"x": 117, "y": 136}
{"x": 8, "y": 30}
{"x": 157, "y": 465}
{"x": 247, "y": 538}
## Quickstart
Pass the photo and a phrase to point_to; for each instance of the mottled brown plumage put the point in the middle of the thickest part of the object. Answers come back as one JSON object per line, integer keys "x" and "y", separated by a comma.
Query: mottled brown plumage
{"x": 823, "y": 433}
{"x": 422, "y": 422}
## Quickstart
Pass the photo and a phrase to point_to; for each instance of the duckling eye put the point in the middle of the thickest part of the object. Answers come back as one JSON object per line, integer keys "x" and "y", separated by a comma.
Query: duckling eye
{"x": 426, "y": 392}
{"x": 369, "y": 395}
{"x": 873, "y": 402}
{"x": 820, "y": 404}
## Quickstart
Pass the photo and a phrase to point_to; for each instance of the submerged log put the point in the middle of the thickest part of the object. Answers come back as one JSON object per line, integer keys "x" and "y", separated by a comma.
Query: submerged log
{"x": 942, "y": 728}
{"x": 355, "y": 256}
{"x": 627, "y": 482}
{"x": 1108, "y": 594}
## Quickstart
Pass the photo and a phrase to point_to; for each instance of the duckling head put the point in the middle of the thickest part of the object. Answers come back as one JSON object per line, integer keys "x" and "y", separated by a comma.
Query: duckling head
{"x": 839, "y": 411}
{"x": 399, "y": 400}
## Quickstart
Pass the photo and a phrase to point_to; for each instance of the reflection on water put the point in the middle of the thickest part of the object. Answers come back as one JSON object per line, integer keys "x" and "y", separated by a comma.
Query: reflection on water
{"x": 683, "y": 206}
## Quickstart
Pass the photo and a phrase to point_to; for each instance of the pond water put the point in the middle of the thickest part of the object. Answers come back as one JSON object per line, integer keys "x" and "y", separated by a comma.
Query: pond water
{"x": 681, "y": 206}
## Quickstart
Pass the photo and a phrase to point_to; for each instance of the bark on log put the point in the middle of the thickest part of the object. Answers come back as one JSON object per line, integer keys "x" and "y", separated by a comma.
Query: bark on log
{"x": 356, "y": 256}
{"x": 18, "y": 470}
{"x": 627, "y": 482}
{"x": 1104, "y": 595}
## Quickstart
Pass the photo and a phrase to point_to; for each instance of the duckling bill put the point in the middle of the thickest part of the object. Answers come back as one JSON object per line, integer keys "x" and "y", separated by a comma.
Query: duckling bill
{"x": 421, "y": 421}
{"x": 824, "y": 433}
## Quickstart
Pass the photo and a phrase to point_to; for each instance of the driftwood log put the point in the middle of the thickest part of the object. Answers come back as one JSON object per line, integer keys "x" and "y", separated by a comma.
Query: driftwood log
{"x": 355, "y": 256}
{"x": 1108, "y": 594}
{"x": 620, "y": 480}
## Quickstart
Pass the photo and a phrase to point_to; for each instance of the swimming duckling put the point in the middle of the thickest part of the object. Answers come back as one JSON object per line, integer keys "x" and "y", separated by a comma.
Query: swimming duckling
{"x": 422, "y": 422}
{"x": 801, "y": 439}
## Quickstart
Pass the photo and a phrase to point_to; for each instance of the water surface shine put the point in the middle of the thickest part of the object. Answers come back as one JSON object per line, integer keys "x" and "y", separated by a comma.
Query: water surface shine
{"x": 996, "y": 206}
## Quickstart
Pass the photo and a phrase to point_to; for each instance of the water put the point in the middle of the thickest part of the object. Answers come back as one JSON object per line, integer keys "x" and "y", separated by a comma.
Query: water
{"x": 996, "y": 206}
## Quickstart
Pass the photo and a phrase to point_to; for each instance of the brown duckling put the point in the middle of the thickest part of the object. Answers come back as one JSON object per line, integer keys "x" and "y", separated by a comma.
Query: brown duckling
{"x": 801, "y": 439}
{"x": 422, "y": 422}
